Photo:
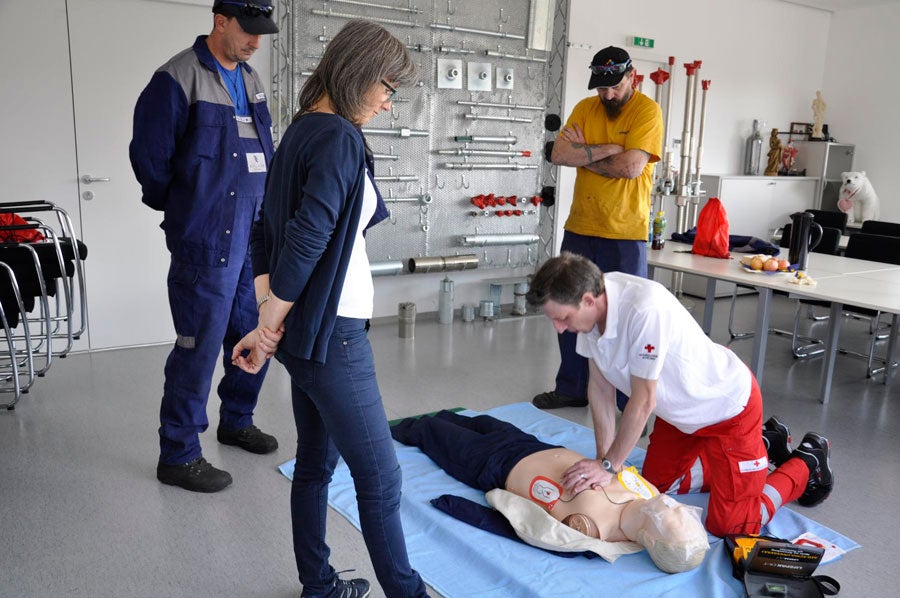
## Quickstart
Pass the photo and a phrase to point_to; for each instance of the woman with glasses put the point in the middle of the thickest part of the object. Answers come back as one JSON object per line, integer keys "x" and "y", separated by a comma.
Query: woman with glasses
{"x": 315, "y": 296}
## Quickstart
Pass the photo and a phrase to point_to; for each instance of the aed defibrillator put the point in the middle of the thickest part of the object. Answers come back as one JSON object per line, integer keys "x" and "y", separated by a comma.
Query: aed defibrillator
{"x": 770, "y": 566}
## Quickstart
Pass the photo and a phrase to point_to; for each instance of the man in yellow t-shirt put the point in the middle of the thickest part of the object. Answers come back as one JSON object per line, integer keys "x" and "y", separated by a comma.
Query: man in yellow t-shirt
{"x": 613, "y": 139}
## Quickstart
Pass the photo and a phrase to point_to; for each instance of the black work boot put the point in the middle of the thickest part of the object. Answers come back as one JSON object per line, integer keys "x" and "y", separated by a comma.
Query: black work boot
{"x": 251, "y": 439}
{"x": 777, "y": 438}
{"x": 815, "y": 450}
{"x": 197, "y": 476}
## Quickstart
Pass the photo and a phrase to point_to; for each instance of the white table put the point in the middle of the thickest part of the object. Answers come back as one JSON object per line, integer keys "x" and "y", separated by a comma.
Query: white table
{"x": 840, "y": 280}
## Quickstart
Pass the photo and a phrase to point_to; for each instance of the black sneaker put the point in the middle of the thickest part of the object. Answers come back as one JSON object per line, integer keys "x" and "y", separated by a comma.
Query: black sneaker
{"x": 554, "y": 400}
{"x": 777, "y": 438}
{"x": 815, "y": 450}
{"x": 251, "y": 439}
{"x": 346, "y": 588}
{"x": 197, "y": 476}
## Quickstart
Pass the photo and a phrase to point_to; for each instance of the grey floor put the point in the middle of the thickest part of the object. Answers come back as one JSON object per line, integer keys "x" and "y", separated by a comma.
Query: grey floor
{"x": 81, "y": 513}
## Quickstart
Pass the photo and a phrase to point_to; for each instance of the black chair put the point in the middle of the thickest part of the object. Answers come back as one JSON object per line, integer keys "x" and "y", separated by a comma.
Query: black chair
{"x": 830, "y": 219}
{"x": 881, "y": 227}
{"x": 829, "y": 243}
{"x": 875, "y": 248}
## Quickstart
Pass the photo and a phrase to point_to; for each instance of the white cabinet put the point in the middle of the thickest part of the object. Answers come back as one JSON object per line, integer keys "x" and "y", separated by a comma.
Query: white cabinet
{"x": 825, "y": 162}
{"x": 756, "y": 206}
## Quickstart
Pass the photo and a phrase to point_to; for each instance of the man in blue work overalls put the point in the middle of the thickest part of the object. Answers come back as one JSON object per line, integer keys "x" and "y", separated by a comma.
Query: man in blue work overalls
{"x": 202, "y": 143}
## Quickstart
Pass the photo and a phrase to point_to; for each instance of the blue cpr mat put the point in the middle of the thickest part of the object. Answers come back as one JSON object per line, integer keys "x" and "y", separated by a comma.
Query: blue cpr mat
{"x": 461, "y": 561}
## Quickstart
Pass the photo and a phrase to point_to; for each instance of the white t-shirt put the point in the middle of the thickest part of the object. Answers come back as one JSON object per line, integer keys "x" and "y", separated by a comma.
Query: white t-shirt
{"x": 650, "y": 335}
{"x": 358, "y": 293}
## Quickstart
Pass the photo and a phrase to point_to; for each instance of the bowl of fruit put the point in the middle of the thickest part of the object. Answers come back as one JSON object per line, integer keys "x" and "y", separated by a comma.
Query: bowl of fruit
{"x": 765, "y": 264}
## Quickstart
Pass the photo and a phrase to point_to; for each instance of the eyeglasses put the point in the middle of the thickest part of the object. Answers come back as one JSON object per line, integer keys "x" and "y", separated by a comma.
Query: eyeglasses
{"x": 252, "y": 10}
{"x": 391, "y": 89}
{"x": 610, "y": 69}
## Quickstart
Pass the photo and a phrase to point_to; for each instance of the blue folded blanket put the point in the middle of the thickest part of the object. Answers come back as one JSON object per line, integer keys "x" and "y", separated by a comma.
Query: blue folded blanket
{"x": 736, "y": 243}
{"x": 461, "y": 561}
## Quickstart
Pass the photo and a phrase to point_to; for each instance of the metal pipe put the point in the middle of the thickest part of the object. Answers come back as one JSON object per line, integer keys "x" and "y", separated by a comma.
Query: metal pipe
{"x": 403, "y": 132}
{"x": 475, "y": 31}
{"x": 385, "y": 157}
{"x": 397, "y": 178}
{"x": 668, "y": 128}
{"x": 451, "y": 50}
{"x": 374, "y": 5}
{"x": 684, "y": 171}
{"x": 483, "y": 152}
{"x": 503, "y": 166}
{"x": 442, "y": 263}
{"x": 514, "y": 56}
{"x": 511, "y": 119}
{"x": 695, "y": 195}
{"x": 482, "y": 139}
{"x": 493, "y": 240}
{"x": 422, "y": 199}
{"x": 342, "y": 15}
{"x": 499, "y": 105}
{"x": 386, "y": 268}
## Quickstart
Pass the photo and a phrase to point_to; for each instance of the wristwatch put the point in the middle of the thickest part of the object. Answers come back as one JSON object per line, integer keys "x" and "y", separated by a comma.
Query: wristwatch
{"x": 261, "y": 300}
{"x": 606, "y": 464}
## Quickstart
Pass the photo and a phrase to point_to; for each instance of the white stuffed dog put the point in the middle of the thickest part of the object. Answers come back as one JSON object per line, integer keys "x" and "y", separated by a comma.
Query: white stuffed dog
{"x": 857, "y": 197}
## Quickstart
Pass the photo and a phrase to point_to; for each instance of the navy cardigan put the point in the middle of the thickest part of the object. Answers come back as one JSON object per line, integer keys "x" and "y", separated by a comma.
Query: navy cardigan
{"x": 310, "y": 214}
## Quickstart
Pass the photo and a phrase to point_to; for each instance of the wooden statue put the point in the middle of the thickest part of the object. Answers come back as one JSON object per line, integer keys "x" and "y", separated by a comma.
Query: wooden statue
{"x": 818, "y": 107}
{"x": 774, "y": 154}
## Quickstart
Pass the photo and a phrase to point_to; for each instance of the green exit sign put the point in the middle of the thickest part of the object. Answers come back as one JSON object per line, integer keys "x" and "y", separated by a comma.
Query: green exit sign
{"x": 642, "y": 42}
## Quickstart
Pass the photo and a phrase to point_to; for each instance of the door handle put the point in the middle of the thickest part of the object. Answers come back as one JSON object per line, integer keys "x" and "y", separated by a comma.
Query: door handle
{"x": 88, "y": 179}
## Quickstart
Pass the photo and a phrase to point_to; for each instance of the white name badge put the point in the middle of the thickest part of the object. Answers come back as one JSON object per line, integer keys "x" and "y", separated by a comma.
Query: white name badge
{"x": 260, "y": 96}
{"x": 244, "y": 119}
{"x": 256, "y": 162}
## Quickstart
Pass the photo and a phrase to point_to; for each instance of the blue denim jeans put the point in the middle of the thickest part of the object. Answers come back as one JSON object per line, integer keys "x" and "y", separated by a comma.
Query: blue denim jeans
{"x": 610, "y": 255}
{"x": 338, "y": 411}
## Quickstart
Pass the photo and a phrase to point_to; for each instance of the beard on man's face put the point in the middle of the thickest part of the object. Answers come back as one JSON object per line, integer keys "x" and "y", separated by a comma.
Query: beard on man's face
{"x": 614, "y": 107}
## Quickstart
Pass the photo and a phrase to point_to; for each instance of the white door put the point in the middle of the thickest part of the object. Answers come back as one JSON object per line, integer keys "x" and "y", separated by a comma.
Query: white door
{"x": 116, "y": 45}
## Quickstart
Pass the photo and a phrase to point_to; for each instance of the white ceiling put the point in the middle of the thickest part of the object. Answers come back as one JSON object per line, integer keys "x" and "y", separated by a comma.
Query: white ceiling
{"x": 835, "y": 5}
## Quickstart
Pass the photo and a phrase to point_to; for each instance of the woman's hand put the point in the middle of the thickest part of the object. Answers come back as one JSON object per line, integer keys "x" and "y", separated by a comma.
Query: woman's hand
{"x": 252, "y": 351}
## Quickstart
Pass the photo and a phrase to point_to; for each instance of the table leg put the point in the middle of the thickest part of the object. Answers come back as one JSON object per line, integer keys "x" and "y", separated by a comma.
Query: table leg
{"x": 709, "y": 304}
{"x": 892, "y": 346}
{"x": 831, "y": 346}
{"x": 761, "y": 336}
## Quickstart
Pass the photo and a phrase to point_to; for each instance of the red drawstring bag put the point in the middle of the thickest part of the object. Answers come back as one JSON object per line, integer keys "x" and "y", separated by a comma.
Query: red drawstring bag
{"x": 712, "y": 231}
{"x": 22, "y": 235}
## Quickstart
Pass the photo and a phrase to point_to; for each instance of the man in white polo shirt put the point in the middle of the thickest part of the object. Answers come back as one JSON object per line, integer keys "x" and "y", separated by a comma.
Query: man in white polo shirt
{"x": 639, "y": 339}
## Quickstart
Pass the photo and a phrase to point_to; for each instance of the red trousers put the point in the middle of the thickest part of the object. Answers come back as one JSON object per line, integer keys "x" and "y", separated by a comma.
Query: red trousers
{"x": 729, "y": 461}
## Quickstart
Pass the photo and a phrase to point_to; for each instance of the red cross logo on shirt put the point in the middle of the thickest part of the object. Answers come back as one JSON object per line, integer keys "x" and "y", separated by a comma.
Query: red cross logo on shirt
{"x": 649, "y": 348}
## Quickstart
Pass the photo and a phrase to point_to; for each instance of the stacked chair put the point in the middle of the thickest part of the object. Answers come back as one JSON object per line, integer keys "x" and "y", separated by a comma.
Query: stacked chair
{"x": 43, "y": 303}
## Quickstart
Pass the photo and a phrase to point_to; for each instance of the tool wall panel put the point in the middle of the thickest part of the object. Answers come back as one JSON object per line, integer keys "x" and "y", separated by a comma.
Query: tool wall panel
{"x": 471, "y": 52}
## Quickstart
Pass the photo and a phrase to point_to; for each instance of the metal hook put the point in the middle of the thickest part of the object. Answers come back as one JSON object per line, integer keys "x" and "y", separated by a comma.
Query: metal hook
{"x": 528, "y": 70}
{"x": 391, "y": 218}
{"x": 501, "y": 17}
{"x": 438, "y": 183}
{"x": 394, "y": 114}
{"x": 487, "y": 261}
{"x": 508, "y": 251}
{"x": 449, "y": 10}
{"x": 462, "y": 182}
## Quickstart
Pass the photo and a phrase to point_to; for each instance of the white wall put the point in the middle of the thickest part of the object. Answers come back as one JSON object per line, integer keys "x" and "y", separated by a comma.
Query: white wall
{"x": 765, "y": 59}
{"x": 861, "y": 88}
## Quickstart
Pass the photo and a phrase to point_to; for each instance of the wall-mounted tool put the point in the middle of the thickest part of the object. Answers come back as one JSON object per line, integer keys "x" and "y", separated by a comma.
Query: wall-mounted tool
{"x": 475, "y": 31}
{"x": 449, "y": 73}
{"x": 510, "y": 119}
{"x": 501, "y": 166}
{"x": 483, "y": 139}
{"x": 498, "y": 105}
{"x": 479, "y": 76}
{"x": 401, "y": 132}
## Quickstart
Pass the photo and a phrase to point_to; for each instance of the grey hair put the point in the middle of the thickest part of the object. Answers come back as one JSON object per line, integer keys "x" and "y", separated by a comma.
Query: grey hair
{"x": 360, "y": 56}
{"x": 565, "y": 279}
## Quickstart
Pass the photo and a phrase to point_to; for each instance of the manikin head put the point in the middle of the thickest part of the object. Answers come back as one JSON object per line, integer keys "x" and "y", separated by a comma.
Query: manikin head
{"x": 671, "y": 532}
